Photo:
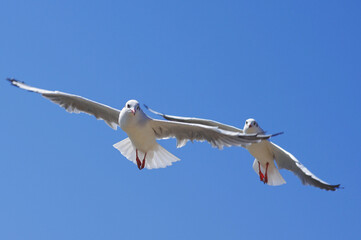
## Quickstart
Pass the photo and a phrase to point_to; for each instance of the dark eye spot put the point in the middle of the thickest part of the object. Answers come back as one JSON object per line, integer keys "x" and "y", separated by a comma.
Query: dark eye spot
{"x": 246, "y": 122}
{"x": 128, "y": 106}
{"x": 137, "y": 107}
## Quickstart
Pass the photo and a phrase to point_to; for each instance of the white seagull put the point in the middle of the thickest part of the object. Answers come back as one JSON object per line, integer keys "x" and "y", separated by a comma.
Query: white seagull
{"x": 143, "y": 131}
{"x": 265, "y": 152}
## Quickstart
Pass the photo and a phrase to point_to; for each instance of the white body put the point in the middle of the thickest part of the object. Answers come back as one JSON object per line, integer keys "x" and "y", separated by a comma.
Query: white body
{"x": 263, "y": 154}
{"x": 141, "y": 137}
{"x": 138, "y": 129}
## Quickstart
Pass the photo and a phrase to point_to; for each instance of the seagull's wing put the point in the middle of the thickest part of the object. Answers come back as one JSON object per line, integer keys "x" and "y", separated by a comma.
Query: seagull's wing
{"x": 287, "y": 161}
{"x": 196, "y": 121}
{"x": 215, "y": 136}
{"x": 211, "y": 123}
{"x": 76, "y": 104}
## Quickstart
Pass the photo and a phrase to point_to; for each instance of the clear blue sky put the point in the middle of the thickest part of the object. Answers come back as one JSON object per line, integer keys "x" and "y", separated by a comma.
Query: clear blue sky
{"x": 292, "y": 65}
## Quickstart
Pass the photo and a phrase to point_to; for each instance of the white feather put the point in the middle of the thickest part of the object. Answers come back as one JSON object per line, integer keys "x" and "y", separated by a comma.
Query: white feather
{"x": 156, "y": 158}
{"x": 274, "y": 176}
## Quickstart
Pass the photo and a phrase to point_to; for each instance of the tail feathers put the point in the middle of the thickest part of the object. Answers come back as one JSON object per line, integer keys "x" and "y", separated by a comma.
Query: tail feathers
{"x": 127, "y": 149}
{"x": 157, "y": 158}
{"x": 274, "y": 176}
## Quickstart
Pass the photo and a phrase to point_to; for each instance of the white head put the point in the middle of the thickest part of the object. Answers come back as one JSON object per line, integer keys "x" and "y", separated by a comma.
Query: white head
{"x": 132, "y": 106}
{"x": 131, "y": 115}
{"x": 251, "y": 126}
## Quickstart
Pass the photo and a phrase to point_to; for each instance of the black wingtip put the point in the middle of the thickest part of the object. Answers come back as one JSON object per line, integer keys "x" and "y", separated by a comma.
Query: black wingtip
{"x": 334, "y": 187}
{"x": 152, "y": 111}
{"x": 13, "y": 81}
{"x": 276, "y": 134}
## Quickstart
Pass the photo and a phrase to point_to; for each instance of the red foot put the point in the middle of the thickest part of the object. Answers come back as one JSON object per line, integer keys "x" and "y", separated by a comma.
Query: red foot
{"x": 266, "y": 177}
{"x": 138, "y": 160}
{"x": 139, "y": 163}
{"x": 263, "y": 178}
{"x": 143, "y": 163}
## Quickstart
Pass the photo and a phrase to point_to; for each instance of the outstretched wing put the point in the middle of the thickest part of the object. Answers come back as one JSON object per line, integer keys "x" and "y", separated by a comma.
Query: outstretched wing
{"x": 76, "y": 104}
{"x": 196, "y": 121}
{"x": 287, "y": 161}
{"x": 215, "y": 136}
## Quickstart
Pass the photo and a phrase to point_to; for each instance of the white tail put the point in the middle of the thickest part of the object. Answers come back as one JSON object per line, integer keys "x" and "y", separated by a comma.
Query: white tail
{"x": 157, "y": 158}
{"x": 274, "y": 176}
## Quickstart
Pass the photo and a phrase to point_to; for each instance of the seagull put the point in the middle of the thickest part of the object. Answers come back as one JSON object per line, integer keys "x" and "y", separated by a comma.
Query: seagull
{"x": 143, "y": 131}
{"x": 266, "y": 153}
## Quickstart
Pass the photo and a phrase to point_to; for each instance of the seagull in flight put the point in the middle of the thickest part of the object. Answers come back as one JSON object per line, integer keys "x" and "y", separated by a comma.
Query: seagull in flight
{"x": 266, "y": 153}
{"x": 143, "y": 131}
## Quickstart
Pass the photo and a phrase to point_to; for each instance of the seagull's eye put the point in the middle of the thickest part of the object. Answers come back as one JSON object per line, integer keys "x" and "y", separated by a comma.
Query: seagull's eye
{"x": 246, "y": 122}
{"x": 138, "y": 107}
{"x": 128, "y": 106}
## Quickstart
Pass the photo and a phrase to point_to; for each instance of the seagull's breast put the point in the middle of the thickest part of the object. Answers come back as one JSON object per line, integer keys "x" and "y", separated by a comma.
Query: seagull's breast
{"x": 139, "y": 131}
{"x": 261, "y": 151}
{"x": 126, "y": 120}
{"x": 143, "y": 137}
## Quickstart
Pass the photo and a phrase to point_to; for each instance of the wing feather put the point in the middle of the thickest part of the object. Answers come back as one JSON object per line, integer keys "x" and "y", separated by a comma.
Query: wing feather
{"x": 184, "y": 132}
{"x": 196, "y": 121}
{"x": 287, "y": 161}
{"x": 76, "y": 104}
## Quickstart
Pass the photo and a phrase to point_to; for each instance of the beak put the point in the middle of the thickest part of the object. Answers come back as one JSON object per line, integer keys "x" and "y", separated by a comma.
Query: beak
{"x": 133, "y": 111}
{"x": 250, "y": 126}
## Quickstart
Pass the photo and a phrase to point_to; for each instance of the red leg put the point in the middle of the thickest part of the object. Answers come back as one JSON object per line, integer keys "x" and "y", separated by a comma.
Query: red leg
{"x": 266, "y": 177}
{"x": 143, "y": 163}
{"x": 138, "y": 160}
{"x": 261, "y": 176}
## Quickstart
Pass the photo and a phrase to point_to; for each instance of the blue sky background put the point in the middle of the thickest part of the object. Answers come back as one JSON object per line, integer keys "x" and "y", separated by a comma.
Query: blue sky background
{"x": 292, "y": 65}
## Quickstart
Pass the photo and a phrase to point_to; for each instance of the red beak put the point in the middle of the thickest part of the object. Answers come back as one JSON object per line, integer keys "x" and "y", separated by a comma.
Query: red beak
{"x": 133, "y": 111}
{"x": 250, "y": 126}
